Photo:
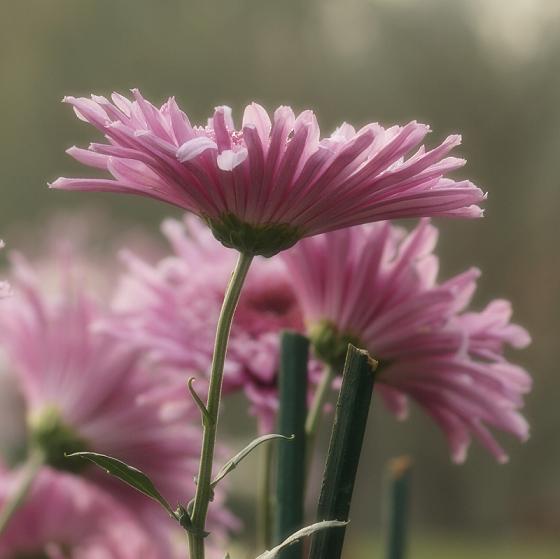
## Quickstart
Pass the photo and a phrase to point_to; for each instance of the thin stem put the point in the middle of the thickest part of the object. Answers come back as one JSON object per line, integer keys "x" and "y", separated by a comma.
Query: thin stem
{"x": 203, "y": 489}
{"x": 264, "y": 512}
{"x": 316, "y": 409}
{"x": 34, "y": 462}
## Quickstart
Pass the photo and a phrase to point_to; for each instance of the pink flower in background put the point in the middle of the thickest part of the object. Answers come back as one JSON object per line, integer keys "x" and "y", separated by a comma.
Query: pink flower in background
{"x": 375, "y": 286}
{"x": 4, "y": 287}
{"x": 66, "y": 517}
{"x": 83, "y": 390}
{"x": 274, "y": 181}
{"x": 171, "y": 310}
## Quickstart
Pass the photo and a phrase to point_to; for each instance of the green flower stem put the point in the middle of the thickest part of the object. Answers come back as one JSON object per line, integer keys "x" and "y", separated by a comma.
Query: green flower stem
{"x": 31, "y": 468}
{"x": 345, "y": 448}
{"x": 399, "y": 473}
{"x": 204, "y": 491}
{"x": 316, "y": 409}
{"x": 264, "y": 504}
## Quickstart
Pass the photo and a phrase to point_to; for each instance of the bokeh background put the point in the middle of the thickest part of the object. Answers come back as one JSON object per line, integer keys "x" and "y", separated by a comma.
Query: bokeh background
{"x": 489, "y": 69}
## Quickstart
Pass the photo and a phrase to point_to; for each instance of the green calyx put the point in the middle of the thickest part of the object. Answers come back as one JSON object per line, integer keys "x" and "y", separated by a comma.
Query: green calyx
{"x": 253, "y": 240}
{"x": 330, "y": 345}
{"x": 54, "y": 438}
{"x": 38, "y": 555}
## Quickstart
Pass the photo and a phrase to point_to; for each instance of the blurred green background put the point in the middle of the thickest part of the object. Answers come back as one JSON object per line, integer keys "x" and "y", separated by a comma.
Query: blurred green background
{"x": 489, "y": 69}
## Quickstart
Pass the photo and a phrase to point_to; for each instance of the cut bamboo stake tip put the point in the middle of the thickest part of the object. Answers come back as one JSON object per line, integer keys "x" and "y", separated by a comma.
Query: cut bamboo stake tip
{"x": 398, "y": 467}
{"x": 373, "y": 363}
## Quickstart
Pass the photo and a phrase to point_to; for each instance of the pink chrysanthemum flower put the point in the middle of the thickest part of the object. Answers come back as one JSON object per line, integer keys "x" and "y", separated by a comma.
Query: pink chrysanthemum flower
{"x": 265, "y": 186}
{"x": 65, "y": 517}
{"x": 376, "y": 287}
{"x": 83, "y": 390}
{"x": 170, "y": 311}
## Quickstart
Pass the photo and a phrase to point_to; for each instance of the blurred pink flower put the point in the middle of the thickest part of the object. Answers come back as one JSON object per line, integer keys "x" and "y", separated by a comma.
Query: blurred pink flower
{"x": 4, "y": 287}
{"x": 171, "y": 310}
{"x": 375, "y": 286}
{"x": 65, "y": 516}
{"x": 265, "y": 186}
{"x": 84, "y": 390}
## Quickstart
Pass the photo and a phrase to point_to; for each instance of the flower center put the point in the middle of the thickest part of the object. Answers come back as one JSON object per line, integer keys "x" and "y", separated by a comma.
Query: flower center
{"x": 255, "y": 240}
{"x": 55, "y": 439}
{"x": 330, "y": 344}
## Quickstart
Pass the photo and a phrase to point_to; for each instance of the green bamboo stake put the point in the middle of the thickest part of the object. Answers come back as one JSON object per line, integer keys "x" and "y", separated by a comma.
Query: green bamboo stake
{"x": 399, "y": 474}
{"x": 345, "y": 447}
{"x": 290, "y": 479}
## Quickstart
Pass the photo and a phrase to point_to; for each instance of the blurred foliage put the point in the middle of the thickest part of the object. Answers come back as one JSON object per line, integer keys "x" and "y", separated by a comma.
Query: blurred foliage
{"x": 486, "y": 68}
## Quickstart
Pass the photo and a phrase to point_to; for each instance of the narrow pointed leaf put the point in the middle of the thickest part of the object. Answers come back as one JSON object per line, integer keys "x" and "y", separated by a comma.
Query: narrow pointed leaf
{"x": 130, "y": 475}
{"x": 304, "y": 532}
{"x": 234, "y": 462}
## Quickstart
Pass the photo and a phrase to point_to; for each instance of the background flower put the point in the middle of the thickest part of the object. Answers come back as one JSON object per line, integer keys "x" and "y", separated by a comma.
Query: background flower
{"x": 65, "y": 516}
{"x": 84, "y": 390}
{"x": 274, "y": 181}
{"x": 4, "y": 287}
{"x": 376, "y": 286}
{"x": 170, "y": 311}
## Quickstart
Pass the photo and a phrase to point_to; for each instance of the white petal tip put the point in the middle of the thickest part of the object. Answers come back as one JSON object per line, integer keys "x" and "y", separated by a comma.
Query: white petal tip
{"x": 228, "y": 159}
{"x": 195, "y": 147}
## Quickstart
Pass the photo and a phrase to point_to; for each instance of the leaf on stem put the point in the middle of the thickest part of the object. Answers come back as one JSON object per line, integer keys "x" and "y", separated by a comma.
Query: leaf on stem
{"x": 198, "y": 401}
{"x": 234, "y": 462}
{"x": 304, "y": 532}
{"x": 130, "y": 475}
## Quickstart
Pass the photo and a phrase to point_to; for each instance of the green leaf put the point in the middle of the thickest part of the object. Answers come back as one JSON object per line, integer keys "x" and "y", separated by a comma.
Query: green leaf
{"x": 131, "y": 476}
{"x": 234, "y": 462}
{"x": 304, "y": 532}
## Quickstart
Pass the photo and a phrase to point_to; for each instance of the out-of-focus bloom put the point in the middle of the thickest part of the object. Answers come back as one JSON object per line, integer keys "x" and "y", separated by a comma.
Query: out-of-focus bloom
{"x": 376, "y": 287}
{"x": 4, "y": 287}
{"x": 65, "y": 516}
{"x": 273, "y": 182}
{"x": 83, "y": 390}
{"x": 171, "y": 310}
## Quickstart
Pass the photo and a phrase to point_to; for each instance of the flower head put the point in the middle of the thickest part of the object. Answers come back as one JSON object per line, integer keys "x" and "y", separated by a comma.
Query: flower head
{"x": 84, "y": 390}
{"x": 375, "y": 286}
{"x": 66, "y": 516}
{"x": 263, "y": 187}
{"x": 170, "y": 311}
